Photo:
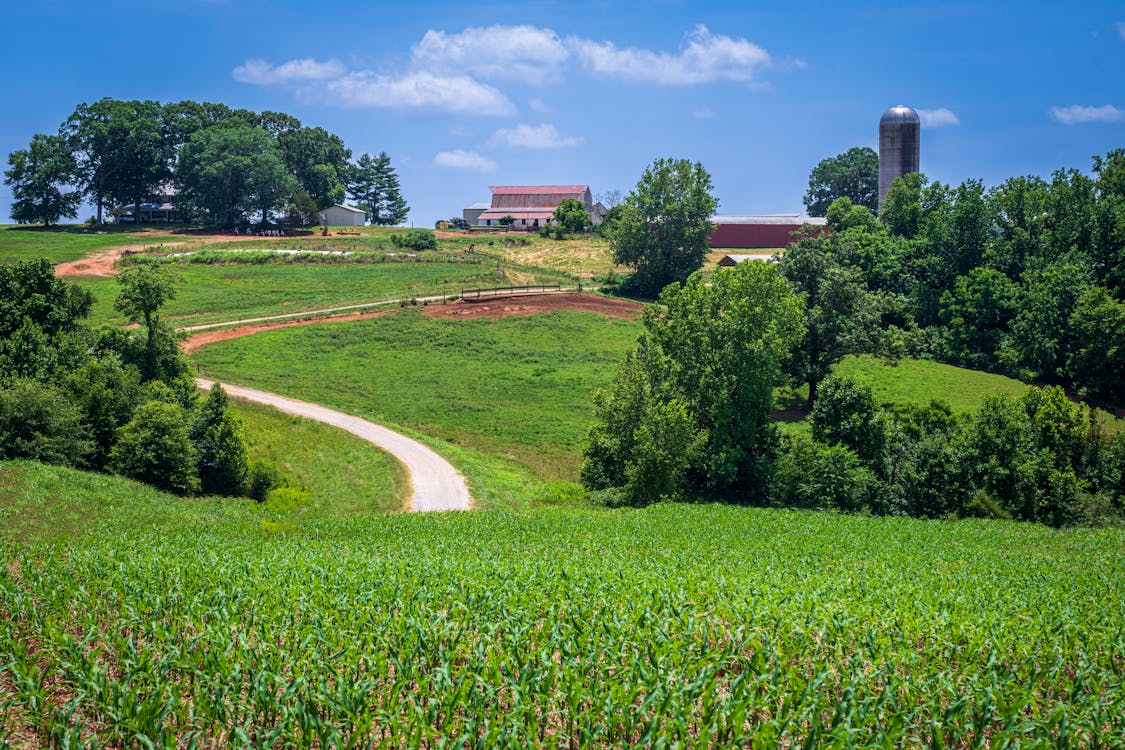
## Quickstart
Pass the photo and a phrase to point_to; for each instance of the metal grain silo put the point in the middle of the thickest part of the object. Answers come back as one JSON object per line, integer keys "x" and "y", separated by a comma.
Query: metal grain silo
{"x": 899, "y": 136}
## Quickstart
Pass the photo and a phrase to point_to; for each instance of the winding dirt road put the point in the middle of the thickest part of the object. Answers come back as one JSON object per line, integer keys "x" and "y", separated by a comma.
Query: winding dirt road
{"x": 435, "y": 483}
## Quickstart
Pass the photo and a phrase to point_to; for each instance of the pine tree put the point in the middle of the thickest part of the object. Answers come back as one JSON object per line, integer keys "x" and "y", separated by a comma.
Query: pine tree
{"x": 374, "y": 187}
{"x": 220, "y": 452}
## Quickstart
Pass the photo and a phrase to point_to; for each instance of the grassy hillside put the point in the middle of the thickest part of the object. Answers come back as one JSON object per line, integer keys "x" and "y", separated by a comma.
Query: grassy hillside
{"x": 218, "y": 293}
{"x": 60, "y": 244}
{"x": 342, "y": 474}
{"x": 517, "y": 389}
{"x": 700, "y": 625}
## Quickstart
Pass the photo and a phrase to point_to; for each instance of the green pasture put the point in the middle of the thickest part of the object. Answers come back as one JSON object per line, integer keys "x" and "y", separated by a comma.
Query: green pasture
{"x": 65, "y": 243}
{"x": 218, "y": 293}
{"x": 518, "y": 389}
{"x": 217, "y": 623}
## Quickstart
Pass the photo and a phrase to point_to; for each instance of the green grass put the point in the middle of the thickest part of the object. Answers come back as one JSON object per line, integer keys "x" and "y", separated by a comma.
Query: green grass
{"x": 210, "y": 623}
{"x": 218, "y": 293}
{"x": 342, "y": 474}
{"x": 516, "y": 389}
{"x": 918, "y": 381}
{"x": 60, "y": 244}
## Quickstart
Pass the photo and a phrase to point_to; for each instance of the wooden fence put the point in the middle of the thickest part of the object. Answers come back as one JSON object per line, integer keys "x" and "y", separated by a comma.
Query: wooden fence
{"x": 478, "y": 295}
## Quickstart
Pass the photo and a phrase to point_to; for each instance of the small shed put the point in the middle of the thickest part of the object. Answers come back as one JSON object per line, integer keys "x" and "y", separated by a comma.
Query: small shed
{"x": 472, "y": 213}
{"x": 730, "y": 260}
{"x": 343, "y": 216}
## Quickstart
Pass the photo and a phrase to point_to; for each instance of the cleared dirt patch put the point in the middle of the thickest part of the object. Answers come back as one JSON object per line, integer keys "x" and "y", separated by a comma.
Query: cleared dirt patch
{"x": 104, "y": 262}
{"x": 537, "y": 303}
{"x": 191, "y": 343}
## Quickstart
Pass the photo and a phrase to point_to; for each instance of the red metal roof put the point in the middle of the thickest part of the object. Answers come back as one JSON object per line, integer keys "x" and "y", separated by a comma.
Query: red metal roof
{"x": 515, "y": 213}
{"x": 537, "y": 189}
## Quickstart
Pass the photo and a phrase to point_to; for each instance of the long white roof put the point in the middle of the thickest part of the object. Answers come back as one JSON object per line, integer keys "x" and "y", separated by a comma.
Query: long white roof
{"x": 769, "y": 219}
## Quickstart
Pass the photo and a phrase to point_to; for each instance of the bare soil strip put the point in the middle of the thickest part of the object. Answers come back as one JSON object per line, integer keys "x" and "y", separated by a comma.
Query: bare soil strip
{"x": 535, "y": 304}
{"x": 104, "y": 262}
{"x": 435, "y": 484}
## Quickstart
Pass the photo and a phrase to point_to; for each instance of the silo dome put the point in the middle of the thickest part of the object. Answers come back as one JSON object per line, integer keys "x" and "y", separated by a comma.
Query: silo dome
{"x": 899, "y": 136}
{"x": 900, "y": 115}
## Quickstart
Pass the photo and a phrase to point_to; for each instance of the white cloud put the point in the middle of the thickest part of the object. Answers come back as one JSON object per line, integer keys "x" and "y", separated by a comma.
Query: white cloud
{"x": 1121, "y": 28}
{"x": 937, "y": 118}
{"x": 540, "y": 106}
{"x": 459, "y": 94}
{"x": 522, "y": 53}
{"x": 533, "y": 136}
{"x": 261, "y": 72}
{"x": 703, "y": 114}
{"x": 705, "y": 57}
{"x": 1076, "y": 114}
{"x": 459, "y": 159}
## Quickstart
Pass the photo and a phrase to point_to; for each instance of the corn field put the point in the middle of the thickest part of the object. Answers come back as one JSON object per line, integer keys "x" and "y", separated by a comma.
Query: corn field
{"x": 689, "y": 626}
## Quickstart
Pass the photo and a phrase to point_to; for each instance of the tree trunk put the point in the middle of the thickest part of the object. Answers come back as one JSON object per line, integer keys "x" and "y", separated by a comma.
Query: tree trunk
{"x": 814, "y": 386}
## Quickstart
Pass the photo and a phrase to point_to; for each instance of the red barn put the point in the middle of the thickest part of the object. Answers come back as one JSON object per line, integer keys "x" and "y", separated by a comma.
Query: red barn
{"x": 770, "y": 231}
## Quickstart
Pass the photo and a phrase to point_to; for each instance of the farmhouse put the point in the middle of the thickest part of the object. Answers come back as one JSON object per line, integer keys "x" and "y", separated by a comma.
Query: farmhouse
{"x": 759, "y": 231}
{"x": 532, "y": 206}
{"x": 158, "y": 209}
{"x": 343, "y": 216}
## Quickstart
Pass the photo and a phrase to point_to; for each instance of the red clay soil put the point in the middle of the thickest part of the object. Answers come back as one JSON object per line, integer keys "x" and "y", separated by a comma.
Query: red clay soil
{"x": 195, "y": 341}
{"x": 537, "y": 303}
{"x": 104, "y": 262}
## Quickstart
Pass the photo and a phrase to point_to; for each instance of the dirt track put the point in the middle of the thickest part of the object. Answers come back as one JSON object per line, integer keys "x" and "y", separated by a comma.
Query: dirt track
{"x": 538, "y": 303}
{"x": 104, "y": 262}
{"x": 530, "y": 305}
{"x": 435, "y": 484}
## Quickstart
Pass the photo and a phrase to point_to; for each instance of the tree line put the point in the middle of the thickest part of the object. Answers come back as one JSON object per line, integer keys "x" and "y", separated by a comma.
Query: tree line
{"x": 113, "y": 400}
{"x": 1024, "y": 279}
{"x": 227, "y": 167}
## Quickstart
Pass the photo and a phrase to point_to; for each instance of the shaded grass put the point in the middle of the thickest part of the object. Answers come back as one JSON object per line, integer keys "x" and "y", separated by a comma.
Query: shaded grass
{"x": 343, "y": 474}
{"x": 516, "y": 390}
{"x": 218, "y": 293}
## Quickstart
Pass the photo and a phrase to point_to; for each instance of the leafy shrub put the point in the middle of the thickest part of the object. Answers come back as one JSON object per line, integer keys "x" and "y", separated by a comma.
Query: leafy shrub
{"x": 262, "y": 475}
{"x": 154, "y": 447}
{"x": 814, "y": 475}
{"x": 38, "y": 421}
{"x": 220, "y": 451}
{"x": 415, "y": 239}
{"x": 285, "y": 499}
{"x": 845, "y": 413}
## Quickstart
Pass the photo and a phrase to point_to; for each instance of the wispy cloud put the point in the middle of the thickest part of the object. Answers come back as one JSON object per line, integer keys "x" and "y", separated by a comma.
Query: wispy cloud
{"x": 459, "y": 159}
{"x": 261, "y": 72}
{"x": 521, "y": 53}
{"x": 937, "y": 118}
{"x": 1077, "y": 114}
{"x": 540, "y": 106}
{"x": 704, "y": 58}
{"x": 1121, "y": 28}
{"x": 533, "y": 136}
{"x": 460, "y": 94}
{"x": 703, "y": 114}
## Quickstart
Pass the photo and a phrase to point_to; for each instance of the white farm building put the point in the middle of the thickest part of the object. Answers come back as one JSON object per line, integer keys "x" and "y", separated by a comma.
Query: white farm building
{"x": 343, "y": 216}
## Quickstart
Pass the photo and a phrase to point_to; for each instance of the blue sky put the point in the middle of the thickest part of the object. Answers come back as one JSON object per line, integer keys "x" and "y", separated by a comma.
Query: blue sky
{"x": 467, "y": 95}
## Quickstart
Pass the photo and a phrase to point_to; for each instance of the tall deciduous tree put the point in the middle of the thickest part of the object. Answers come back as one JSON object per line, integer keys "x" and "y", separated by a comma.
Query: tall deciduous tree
{"x": 841, "y": 315}
{"x": 318, "y": 159}
{"x": 229, "y": 171}
{"x": 662, "y": 231}
{"x": 853, "y": 174}
{"x": 122, "y": 147}
{"x": 701, "y": 380}
{"x": 144, "y": 290}
{"x": 38, "y": 176}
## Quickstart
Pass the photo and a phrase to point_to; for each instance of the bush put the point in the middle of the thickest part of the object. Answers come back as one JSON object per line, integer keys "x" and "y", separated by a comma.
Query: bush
{"x": 845, "y": 413}
{"x": 814, "y": 475}
{"x": 261, "y": 477}
{"x": 285, "y": 499}
{"x": 37, "y": 421}
{"x": 155, "y": 447}
{"x": 415, "y": 239}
